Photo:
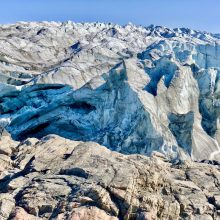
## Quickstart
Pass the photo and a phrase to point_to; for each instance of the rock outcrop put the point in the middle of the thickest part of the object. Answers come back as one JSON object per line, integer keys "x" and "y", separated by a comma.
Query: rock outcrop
{"x": 56, "y": 178}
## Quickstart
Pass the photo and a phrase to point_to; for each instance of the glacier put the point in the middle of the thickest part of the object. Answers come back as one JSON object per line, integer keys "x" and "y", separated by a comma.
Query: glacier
{"x": 130, "y": 88}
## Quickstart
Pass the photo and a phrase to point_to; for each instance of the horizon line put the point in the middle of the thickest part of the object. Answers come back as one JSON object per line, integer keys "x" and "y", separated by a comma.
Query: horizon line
{"x": 106, "y": 23}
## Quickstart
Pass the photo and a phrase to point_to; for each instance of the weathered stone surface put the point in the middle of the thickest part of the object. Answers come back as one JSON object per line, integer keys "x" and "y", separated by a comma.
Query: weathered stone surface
{"x": 21, "y": 214}
{"x": 7, "y": 204}
{"x": 91, "y": 213}
{"x": 56, "y": 178}
{"x": 5, "y": 162}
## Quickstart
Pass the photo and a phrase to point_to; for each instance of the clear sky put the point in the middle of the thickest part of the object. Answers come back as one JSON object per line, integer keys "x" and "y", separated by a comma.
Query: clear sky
{"x": 196, "y": 14}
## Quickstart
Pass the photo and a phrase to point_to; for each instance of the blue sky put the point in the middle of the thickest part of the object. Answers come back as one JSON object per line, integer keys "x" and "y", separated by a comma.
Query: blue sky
{"x": 196, "y": 14}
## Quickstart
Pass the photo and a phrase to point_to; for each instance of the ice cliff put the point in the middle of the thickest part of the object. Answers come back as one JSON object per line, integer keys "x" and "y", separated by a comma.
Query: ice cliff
{"x": 130, "y": 88}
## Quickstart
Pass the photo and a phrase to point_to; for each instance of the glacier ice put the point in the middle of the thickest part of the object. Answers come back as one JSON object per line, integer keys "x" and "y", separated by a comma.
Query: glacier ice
{"x": 133, "y": 89}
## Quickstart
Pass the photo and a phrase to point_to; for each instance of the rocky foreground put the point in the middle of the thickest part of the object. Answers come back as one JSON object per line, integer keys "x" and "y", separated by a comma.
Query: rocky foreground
{"x": 56, "y": 178}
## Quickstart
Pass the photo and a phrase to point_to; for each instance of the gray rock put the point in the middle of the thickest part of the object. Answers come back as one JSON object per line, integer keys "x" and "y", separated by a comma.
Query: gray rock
{"x": 7, "y": 203}
{"x": 63, "y": 179}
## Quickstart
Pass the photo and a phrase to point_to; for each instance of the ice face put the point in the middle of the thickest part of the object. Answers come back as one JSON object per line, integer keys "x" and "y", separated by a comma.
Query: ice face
{"x": 132, "y": 89}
